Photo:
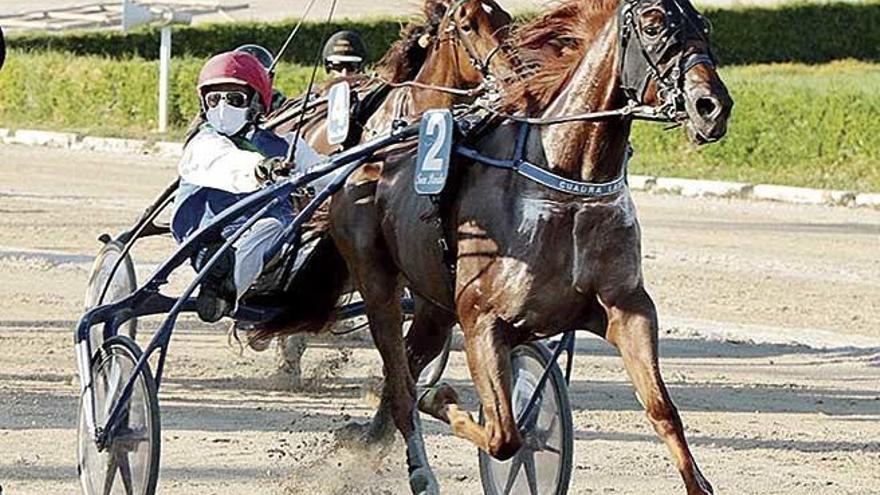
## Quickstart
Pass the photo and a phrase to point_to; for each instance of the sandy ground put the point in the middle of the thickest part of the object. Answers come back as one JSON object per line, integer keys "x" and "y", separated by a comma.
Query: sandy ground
{"x": 771, "y": 347}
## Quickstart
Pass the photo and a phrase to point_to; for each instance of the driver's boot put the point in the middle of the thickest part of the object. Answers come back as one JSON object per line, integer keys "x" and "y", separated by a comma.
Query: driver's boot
{"x": 217, "y": 293}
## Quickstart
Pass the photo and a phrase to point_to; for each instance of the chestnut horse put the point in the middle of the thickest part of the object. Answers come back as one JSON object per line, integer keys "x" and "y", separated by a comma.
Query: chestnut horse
{"x": 533, "y": 261}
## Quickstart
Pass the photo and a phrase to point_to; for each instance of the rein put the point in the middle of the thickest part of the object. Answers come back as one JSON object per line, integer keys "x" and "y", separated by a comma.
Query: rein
{"x": 432, "y": 87}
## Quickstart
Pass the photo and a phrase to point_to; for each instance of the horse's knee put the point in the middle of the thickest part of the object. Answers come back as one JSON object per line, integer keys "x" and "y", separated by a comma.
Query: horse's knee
{"x": 503, "y": 446}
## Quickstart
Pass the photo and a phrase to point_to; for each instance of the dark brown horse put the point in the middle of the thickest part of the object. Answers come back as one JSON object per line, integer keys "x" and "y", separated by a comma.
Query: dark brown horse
{"x": 441, "y": 50}
{"x": 463, "y": 44}
{"x": 464, "y": 49}
{"x": 533, "y": 261}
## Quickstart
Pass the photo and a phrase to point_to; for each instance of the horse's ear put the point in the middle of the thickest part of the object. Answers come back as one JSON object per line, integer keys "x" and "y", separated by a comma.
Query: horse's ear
{"x": 435, "y": 10}
{"x": 425, "y": 40}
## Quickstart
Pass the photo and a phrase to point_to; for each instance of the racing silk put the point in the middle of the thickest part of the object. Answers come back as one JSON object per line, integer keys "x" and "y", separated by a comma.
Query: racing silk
{"x": 216, "y": 171}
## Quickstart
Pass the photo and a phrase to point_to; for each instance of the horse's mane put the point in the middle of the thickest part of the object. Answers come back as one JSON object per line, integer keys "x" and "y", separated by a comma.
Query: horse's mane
{"x": 549, "y": 50}
{"x": 405, "y": 57}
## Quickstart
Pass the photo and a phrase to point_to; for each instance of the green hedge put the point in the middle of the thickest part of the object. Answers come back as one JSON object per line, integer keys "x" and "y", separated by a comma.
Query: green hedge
{"x": 96, "y": 95}
{"x": 203, "y": 41}
{"x": 792, "y": 124}
{"x": 809, "y": 33}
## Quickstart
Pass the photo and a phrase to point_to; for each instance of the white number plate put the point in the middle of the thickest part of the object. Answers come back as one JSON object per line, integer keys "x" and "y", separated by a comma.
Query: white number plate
{"x": 339, "y": 109}
{"x": 435, "y": 151}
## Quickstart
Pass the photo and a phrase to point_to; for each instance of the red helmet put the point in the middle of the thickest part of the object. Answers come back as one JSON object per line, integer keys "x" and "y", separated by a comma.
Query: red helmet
{"x": 238, "y": 68}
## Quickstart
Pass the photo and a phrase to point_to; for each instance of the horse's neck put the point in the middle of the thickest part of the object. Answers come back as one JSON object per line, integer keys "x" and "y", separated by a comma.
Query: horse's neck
{"x": 590, "y": 151}
{"x": 439, "y": 69}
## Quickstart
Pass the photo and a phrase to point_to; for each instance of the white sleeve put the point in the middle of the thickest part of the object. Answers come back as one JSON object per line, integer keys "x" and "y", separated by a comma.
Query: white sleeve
{"x": 306, "y": 157}
{"x": 212, "y": 160}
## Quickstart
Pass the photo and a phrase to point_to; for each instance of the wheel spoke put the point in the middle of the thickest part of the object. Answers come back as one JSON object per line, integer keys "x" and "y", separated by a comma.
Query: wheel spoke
{"x": 113, "y": 379}
{"x": 543, "y": 435}
{"x": 531, "y": 473}
{"x": 110, "y": 475}
{"x": 549, "y": 448}
{"x": 127, "y": 439}
{"x": 125, "y": 472}
{"x": 515, "y": 465}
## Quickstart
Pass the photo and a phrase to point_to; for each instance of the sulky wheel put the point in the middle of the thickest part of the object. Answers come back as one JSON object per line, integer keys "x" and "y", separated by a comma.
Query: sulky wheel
{"x": 543, "y": 465}
{"x": 124, "y": 283}
{"x": 129, "y": 463}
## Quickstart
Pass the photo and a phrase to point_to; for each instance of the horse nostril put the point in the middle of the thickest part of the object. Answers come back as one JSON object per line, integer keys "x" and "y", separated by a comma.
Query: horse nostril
{"x": 708, "y": 107}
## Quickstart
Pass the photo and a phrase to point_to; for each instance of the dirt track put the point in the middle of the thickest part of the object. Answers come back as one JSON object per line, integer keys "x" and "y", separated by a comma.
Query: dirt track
{"x": 771, "y": 346}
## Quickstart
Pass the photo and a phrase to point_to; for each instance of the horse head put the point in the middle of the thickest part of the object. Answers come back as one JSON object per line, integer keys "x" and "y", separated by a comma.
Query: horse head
{"x": 473, "y": 31}
{"x": 666, "y": 60}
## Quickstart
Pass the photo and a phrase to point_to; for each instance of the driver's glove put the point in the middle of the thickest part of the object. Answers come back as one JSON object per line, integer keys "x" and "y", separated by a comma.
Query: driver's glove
{"x": 271, "y": 169}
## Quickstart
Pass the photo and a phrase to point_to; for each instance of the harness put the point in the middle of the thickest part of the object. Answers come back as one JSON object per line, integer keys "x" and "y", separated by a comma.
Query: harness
{"x": 640, "y": 63}
{"x": 544, "y": 177}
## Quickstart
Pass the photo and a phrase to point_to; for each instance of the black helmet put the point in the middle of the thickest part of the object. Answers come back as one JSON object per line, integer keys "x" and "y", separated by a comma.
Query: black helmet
{"x": 263, "y": 55}
{"x": 345, "y": 48}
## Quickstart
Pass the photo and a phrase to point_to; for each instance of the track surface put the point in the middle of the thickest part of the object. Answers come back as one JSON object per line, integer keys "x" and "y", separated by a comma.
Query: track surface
{"x": 771, "y": 347}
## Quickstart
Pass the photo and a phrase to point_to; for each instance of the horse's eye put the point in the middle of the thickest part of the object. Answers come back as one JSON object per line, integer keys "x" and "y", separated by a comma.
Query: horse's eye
{"x": 652, "y": 30}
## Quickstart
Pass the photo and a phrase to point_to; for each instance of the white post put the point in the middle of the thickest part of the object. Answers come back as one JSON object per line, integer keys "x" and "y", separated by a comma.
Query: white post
{"x": 164, "y": 71}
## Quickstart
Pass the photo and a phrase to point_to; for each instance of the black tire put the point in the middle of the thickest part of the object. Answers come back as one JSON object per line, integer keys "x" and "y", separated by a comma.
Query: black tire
{"x": 138, "y": 434}
{"x": 529, "y": 361}
{"x": 2, "y": 49}
{"x": 124, "y": 283}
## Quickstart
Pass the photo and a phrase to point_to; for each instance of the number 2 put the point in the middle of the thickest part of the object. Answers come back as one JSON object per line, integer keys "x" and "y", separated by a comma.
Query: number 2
{"x": 436, "y": 128}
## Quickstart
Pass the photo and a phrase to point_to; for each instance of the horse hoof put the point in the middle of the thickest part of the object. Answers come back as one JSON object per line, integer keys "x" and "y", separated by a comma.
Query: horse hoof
{"x": 423, "y": 482}
{"x": 434, "y": 399}
{"x": 365, "y": 435}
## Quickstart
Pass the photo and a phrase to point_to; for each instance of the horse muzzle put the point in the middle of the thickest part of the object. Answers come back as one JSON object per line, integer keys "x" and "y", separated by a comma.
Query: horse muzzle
{"x": 707, "y": 112}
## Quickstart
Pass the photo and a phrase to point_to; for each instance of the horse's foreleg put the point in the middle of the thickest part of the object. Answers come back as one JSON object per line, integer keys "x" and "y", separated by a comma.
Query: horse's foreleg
{"x": 632, "y": 328}
{"x": 488, "y": 359}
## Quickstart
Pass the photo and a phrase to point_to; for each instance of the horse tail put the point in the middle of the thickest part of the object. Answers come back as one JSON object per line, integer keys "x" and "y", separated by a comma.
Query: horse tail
{"x": 311, "y": 300}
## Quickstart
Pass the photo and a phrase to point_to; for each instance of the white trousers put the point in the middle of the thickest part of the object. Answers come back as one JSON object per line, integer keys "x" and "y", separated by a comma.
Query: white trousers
{"x": 251, "y": 249}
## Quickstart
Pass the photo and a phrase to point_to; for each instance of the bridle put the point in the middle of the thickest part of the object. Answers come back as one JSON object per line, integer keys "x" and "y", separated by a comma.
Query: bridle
{"x": 480, "y": 63}
{"x": 642, "y": 61}
{"x": 456, "y": 35}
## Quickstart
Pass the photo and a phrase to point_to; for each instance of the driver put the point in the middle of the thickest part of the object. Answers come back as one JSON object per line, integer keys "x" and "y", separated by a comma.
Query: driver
{"x": 227, "y": 158}
{"x": 344, "y": 54}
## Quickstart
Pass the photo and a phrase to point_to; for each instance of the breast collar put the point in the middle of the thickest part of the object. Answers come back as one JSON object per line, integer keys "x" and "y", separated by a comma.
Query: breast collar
{"x": 546, "y": 178}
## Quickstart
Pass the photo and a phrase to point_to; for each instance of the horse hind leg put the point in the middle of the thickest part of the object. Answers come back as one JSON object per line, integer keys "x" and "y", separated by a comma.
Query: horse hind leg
{"x": 632, "y": 328}
{"x": 488, "y": 357}
{"x": 430, "y": 329}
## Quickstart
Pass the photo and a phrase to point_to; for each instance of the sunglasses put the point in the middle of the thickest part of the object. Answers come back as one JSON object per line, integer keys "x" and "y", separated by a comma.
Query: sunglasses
{"x": 233, "y": 98}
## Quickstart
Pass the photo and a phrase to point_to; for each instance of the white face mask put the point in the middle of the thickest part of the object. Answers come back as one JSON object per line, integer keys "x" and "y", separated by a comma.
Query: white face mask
{"x": 227, "y": 119}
